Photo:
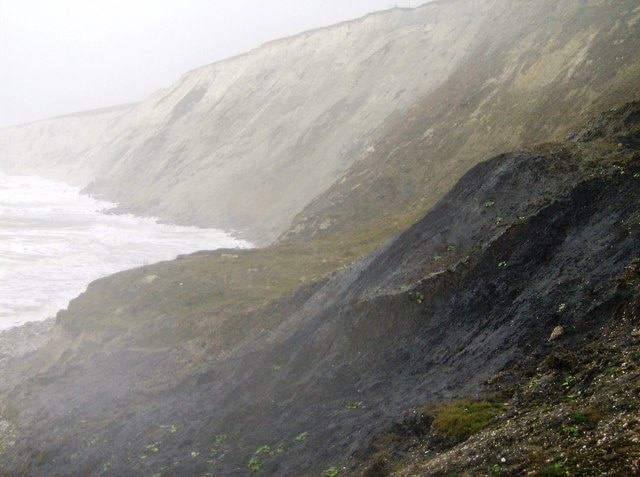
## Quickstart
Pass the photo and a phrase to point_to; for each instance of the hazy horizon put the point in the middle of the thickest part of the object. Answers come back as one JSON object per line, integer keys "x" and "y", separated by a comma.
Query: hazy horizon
{"x": 65, "y": 56}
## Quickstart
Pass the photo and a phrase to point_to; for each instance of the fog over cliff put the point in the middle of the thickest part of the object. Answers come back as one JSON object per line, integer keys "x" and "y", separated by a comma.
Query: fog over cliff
{"x": 449, "y": 206}
{"x": 247, "y": 142}
{"x": 70, "y": 55}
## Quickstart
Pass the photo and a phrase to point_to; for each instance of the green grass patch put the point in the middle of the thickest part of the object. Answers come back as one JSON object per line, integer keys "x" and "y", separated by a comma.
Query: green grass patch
{"x": 557, "y": 468}
{"x": 254, "y": 464}
{"x": 460, "y": 419}
{"x": 331, "y": 472}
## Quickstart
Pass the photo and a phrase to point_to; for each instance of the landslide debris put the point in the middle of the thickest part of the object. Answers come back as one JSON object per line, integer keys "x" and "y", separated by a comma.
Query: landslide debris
{"x": 138, "y": 378}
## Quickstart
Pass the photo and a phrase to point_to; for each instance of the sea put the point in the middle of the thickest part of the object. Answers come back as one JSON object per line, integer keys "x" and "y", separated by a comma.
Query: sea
{"x": 54, "y": 241}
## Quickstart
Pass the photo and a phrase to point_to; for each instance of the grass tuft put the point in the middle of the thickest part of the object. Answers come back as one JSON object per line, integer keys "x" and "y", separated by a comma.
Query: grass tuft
{"x": 460, "y": 419}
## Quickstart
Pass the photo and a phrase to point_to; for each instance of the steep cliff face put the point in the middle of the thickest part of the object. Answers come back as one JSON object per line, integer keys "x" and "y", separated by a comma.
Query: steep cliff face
{"x": 535, "y": 71}
{"x": 62, "y": 148}
{"x": 248, "y": 142}
{"x": 525, "y": 243}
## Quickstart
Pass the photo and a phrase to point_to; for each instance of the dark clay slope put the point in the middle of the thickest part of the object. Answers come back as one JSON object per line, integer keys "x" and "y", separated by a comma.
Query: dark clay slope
{"x": 524, "y": 243}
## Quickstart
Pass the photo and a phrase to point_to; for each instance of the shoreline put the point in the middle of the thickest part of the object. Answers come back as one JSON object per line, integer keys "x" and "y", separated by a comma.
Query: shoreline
{"x": 17, "y": 343}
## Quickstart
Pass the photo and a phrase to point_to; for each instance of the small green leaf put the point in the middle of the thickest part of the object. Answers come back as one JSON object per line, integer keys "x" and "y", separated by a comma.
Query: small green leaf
{"x": 331, "y": 472}
{"x": 254, "y": 464}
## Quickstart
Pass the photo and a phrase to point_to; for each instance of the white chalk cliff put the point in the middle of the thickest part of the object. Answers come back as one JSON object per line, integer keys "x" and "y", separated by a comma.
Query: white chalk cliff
{"x": 247, "y": 142}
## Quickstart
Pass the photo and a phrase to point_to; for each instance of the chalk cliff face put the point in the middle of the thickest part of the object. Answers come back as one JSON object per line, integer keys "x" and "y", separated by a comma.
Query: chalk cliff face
{"x": 61, "y": 148}
{"x": 246, "y": 143}
{"x": 536, "y": 70}
{"x": 520, "y": 285}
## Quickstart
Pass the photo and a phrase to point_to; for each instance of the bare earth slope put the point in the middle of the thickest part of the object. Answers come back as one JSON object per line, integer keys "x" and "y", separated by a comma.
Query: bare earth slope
{"x": 248, "y": 142}
{"x": 524, "y": 243}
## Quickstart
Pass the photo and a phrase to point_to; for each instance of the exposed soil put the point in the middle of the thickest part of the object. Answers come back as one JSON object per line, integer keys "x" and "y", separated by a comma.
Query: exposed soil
{"x": 462, "y": 304}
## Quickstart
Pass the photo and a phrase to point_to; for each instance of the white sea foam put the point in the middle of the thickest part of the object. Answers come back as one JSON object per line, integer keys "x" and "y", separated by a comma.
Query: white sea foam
{"x": 54, "y": 242}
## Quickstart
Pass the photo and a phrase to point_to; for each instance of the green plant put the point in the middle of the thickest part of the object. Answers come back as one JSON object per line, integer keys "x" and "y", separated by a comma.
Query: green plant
{"x": 418, "y": 297}
{"x": 490, "y": 203}
{"x": 620, "y": 169}
{"x": 152, "y": 447}
{"x": 277, "y": 451}
{"x": 217, "y": 442}
{"x": 437, "y": 258}
{"x": 301, "y": 437}
{"x": 171, "y": 429}
{"x": 498, "y": 220}
{"x": 353, "y": 404}
{"x": 502, "y": 264}
{"x": 533, "y": 383}
{"x": 570, "y": 430}
{"x": 587, "y": 418}
{"x": 495, "y": 469}
{"x": 579, "y": 417}
{"x": 568, "y": 381}
{"x": 331, "y": 472}
{"x": 522, "y": 219}
{"x": 557, "y": 468}
{"x": 462, "y": 418}
{"x": 562, "y": 307}
{"x": 254, "y": 464}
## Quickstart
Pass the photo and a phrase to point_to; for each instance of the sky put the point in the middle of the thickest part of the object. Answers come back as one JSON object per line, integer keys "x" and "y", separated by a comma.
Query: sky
{"x": 64, "y": 56}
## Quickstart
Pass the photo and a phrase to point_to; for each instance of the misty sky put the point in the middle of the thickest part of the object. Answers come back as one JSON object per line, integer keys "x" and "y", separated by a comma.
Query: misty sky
{"x": 62, "y": 56}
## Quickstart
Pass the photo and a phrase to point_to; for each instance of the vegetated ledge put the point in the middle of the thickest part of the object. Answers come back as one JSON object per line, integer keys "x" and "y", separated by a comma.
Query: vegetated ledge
{"x": 460, "y": 306}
